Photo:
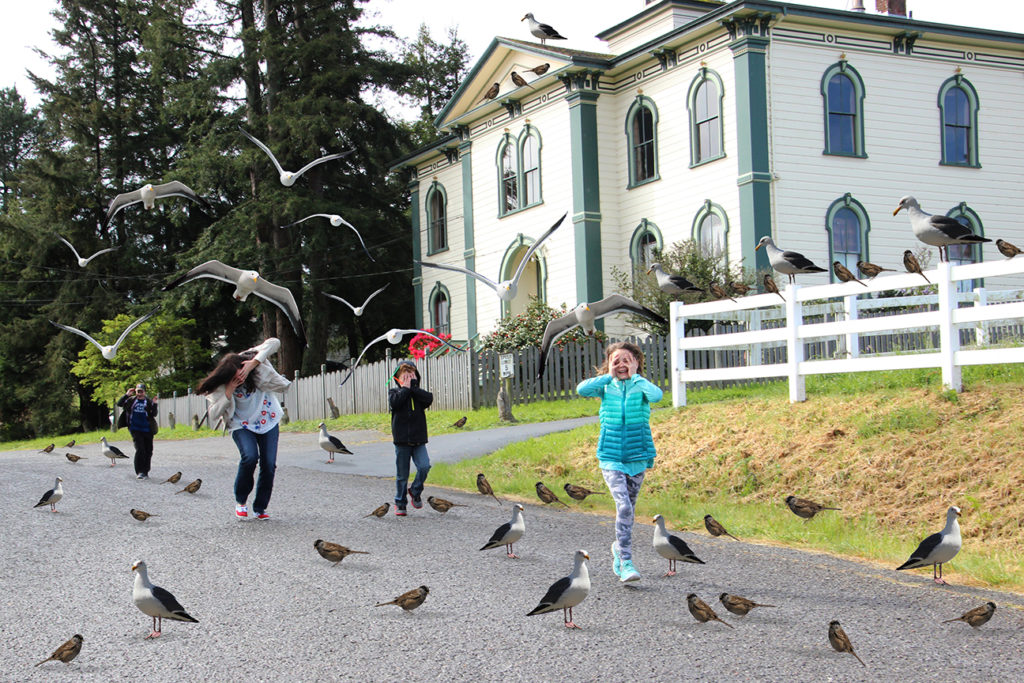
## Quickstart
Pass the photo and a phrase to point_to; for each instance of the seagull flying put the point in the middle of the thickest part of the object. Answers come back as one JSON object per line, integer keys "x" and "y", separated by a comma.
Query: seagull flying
{"x": 567, "y": 592}
{"x": 508, "y": 533}
{"x": 248, "y": 282}
{"x": 393, "y": 337}
{"x": 336, "y": 221}
{"x": 584, "y": 316}
{"x": 672, "y": 548}
{"x": 52, "y": 496}
{"x": 108, "y": 352}
{"x": 288, "y": 178}
{"x": 542, "y": 31}
{"x": 156, "y": 602}
{"x": 506, "y": 289}
{"x": 788, "y": 263}
{"x": 83, "y": 262}
{"x": 331, "y": 444}
{"x": 357, "y": 311}
{"x": 938, "y": 548}
{"x": 937, "y": 231}
{"x": 148, "y": 194}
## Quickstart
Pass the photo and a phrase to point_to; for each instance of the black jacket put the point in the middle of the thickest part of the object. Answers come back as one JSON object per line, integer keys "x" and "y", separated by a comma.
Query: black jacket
{"x": 408, "y": 413}
{"x": 128, "y": 402}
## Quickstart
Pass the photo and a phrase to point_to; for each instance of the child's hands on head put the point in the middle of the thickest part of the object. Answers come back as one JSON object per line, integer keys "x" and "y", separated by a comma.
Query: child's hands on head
{"x": 623, "y": 364}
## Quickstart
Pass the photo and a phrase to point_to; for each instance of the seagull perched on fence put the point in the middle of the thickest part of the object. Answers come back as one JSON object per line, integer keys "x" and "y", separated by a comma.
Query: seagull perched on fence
{"x": 584, "y": 316}
{"x": 108, "y": 352}
{"x": 357, "y": 311}
{"x": 288, "y": 178}
{"x": 247, "y": 282}
{"x": 788, "y": 263}
{"x": 542, "y": 31}
{"x": 336, "y": 221}
{"x": 393, "y": 337}
{"x": 83, "y": 262}
{"x": 938, "y": 548}
{"x": 937, "y": 231}
{"x": 506, "y": 289}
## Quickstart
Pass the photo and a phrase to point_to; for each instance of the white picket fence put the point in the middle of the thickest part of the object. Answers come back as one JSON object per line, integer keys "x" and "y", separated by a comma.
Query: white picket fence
{"x": 948, "y": 318}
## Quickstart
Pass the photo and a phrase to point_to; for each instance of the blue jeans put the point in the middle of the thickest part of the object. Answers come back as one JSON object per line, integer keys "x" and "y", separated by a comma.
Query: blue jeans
{"x": 255, "y": 448}
{"x": 419, "y": 457}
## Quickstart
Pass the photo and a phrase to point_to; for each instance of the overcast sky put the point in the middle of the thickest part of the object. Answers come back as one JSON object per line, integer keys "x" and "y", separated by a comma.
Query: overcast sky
{"x": 27, "y": 23}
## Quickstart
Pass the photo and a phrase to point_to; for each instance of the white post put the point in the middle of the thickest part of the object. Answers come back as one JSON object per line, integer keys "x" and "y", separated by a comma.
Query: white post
{"x": 756, "y": 350}
{"x": 981, "y": 331}
{"x": 794, "y": 346}
{"x": 677, "y": 330}
{"x": 852, "y": 338}
{"x": 949, "y": 339}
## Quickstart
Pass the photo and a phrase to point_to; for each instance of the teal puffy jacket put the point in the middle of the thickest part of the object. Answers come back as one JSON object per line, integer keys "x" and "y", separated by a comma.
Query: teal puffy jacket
{"x": 625, "y": 417}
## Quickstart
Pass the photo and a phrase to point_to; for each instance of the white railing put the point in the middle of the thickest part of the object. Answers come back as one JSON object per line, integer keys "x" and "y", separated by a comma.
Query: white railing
{"x": 948, "y": 318}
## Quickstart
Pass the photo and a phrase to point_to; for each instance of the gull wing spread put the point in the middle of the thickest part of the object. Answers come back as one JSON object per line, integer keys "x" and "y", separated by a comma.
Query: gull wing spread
{"x": 534, "y": 247}
{"x": 174, "y": 188}
{"x": 390, "y": 333}
{"x": 465, "y": 271}
{"x": 211, "y": 269}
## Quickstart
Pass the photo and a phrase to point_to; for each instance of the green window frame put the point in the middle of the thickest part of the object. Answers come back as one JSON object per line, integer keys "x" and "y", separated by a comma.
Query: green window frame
{"x": 842, "y": 95}
{"x": 707, "y": 130}
{"x": 439, "y": 308}
{"x": 709, "y": 217}
{"x": 519, "y": 171}
{"x": 967, "y": 253}
{"x": 437, "y": 218}
{"x": 645, "y": 242}
{"x": 958, "y": 123}
{"x": 843, "y": 245}
{"x": 642, "y": 141}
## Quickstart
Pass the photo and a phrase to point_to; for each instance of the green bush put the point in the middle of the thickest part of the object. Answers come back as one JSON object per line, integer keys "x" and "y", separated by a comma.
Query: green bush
{"x": 527, "y": 329}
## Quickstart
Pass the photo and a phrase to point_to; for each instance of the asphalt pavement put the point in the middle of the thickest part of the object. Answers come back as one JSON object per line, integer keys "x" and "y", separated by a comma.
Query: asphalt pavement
{"x": 271, "y": 609}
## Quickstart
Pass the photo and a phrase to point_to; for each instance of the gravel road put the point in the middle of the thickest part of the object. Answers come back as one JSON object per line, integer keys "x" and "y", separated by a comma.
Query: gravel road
{"x": 270, "y": 609}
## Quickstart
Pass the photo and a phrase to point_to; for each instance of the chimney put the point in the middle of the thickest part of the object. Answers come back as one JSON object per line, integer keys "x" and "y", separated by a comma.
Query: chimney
{"x": 896, "y": 8}
{"x": 857, "y": 6}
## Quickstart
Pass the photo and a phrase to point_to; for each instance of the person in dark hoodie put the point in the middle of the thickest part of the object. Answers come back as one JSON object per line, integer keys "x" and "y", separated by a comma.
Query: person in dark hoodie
{"x": 408, "y": 405}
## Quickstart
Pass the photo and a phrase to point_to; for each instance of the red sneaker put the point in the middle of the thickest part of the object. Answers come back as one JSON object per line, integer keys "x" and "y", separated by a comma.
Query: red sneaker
{"x": 263, "y": 515}
{"x": 416, "y": 502}
{"x": 241, "y": 511}
{"x": 400, "y": 512}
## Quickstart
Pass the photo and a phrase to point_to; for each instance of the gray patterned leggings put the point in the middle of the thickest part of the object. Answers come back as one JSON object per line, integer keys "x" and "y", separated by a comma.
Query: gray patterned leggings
{"x": 624, "y": 489}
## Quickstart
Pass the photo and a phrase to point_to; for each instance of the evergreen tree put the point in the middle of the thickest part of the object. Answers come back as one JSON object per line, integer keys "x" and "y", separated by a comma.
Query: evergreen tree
{"x": 19, "y": 133}
{"x": 437, "y": 71}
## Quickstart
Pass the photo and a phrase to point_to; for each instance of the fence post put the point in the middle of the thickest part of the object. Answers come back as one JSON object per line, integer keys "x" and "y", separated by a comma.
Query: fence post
{"x": 794, "y": 346}
{"x": 949, "y": 338}
{"x": 323, "y": 389}
{"x": 981, "y": 331}
{"x": 676, "y": 355}
{"x": 754, "y": 325}
{"x": 852, "y": 338}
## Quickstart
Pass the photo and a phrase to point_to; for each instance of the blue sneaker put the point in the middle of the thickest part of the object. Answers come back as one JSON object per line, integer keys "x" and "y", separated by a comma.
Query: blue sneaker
{"x": 629, "y": 572}
{"x": 616, "y": 561}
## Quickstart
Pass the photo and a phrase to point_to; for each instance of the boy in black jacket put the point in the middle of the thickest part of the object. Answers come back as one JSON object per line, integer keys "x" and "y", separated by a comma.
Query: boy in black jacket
{"x": 408, "y": 404}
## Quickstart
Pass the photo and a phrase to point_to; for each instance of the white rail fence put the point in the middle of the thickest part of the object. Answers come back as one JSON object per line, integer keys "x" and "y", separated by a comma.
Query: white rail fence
{"x": 795, "y": 332}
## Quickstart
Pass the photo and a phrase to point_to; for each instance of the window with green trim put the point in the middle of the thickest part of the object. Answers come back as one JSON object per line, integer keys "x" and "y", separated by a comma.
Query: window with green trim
{"x": 710, "y": 230}
{"x": 705, "y": 105}
{"x": 437, "y": 218}
{"x": 531, "y": 170}
{"x": 642, "y": 141}
{"x": 842, "y": 90}
{"x": 439, "y": 309}
{"x": 519, "y": 171}
{"x": 509, "y": 178}
{"x": 643, "y": 245}
{"x": 847, "y": 225}
{"x": 960, "y": 254}
{"x": 958, "y": 110}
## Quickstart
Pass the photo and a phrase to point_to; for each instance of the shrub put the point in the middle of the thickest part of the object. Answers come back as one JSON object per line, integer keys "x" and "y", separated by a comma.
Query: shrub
{"x": 527, "y": 329}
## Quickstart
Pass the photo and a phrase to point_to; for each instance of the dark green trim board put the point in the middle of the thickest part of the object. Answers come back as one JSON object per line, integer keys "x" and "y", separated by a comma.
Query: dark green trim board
{"x": 469, "y": 240}
{"x": 586, "y": 196}
{"x": 417, "y": 269}
{"x": 754, "y": 171}
{"x": 848, "y": 202}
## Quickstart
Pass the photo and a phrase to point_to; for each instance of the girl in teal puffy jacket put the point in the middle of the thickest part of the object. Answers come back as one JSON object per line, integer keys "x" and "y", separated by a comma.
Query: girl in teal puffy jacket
{"x": 625, "y": 450}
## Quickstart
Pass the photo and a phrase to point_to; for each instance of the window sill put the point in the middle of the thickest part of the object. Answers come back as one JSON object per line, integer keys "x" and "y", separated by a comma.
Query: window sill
{"x": 437, "y": 251}
{"x": 702, "y": 162}
{"x": 957, "y": 165}
{"x": 646, "y": 181}
{"x": 844, "y": 154}
{"x": 520, "y": 209}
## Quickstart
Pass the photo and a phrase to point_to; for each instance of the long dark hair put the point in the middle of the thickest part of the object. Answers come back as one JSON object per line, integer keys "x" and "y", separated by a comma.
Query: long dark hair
{"x": 226, "y": 369}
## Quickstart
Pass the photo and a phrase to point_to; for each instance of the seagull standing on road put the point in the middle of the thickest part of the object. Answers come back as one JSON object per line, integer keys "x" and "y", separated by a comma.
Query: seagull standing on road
{"x": 52, "y": 496}
{"x": 567, "y": 592}
{"x": 112, "y": 452}
{"x": 288, "y": 178}
{"x": 937, "y": 231}
{"x": 508, "y": 533}
{"x": 331, "y": 444}
{"x": 155, "y": 601}
{"x": 938, "y": 548}
{"x": 672, "y": 548}
{"x": 789, "y": 263}
{"x": 542, "y": 31}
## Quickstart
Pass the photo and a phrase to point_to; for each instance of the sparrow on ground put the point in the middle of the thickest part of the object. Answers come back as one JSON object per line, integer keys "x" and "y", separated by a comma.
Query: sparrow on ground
{"x": 409, "y": 600}
{"x": 141, "y": 515}
{"x": 701, "y": 611}
{"x": 334, "y": 552}
{"x": 840, "y": 641}
{"x": 48, "y": 449}
{"x": 66, "y": 652}
{"x": 977, "y": 616}
{"x": 74, "y": 458}
{"x": 70, "y": 444}
{"x": 191, "y": 488}
{"x": 739, "y": 605}
{"x": 460, "y": 423}
{"x": 805, "y": 508}
{"x": 484, "y": 487}
{"x": 173, "y": 479}
{"x": 579, "y": 492}
{"x": 380, "y": 511}
{"x": 442, "y": 505}
{"x": 545, "y": 494}
{"x": 716, "y": 529}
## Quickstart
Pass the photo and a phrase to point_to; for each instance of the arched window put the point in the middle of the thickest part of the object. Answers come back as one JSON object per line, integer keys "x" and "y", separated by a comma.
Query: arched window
{"x": 710, "y": 229}
{"x": 705, "y": 105}
{"x": 439, "y": 309}
{"x": 847, "y": 225}
{"x": 842, "y": 91}
{"x": 509, "y": 171}
{"x": 437, "y": 218}
{"x": 530, "y": 149}
{"x": 642, "y": 141}
{"x": 643, "y": 245}
{"x": 960, "y": 254}
{"x": 958, "y": 110}
{"x": 519, "y": 171}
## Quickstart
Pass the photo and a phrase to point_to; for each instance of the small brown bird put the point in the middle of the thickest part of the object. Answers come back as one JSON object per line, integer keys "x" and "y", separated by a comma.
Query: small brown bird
{"x": 141, "y": 515}
{"x": 977, "y": 616}
{"x": 539, "y": 70}
{"x": 870, "y": 269}
{"x": 701, "y": 611}
{"x": 1007, "y": 249}
{"x": 442, "y": 505}
{"x": 739, "y": 288}
{"x": 739, "y": 605}
{"x": 716, "y": 529}
{"x": 410, "y": 600}
{"x": 545, "y": 494}
{"x": 770, "y": 286}
{"x": 334, "y": 552}
{"x": 843, "y": 273}
{"x": 379, "y": 512}
{"x": 492, "y": 92}
{"x": 173, "y": 479}
{"x": 484, "y": 487}
{"x": 70, "y": 444}
{"x": 805, "y": 508}
{"x": 520, "y": 81}
{"x": 718, "y": 292}
{"x": 460, "y": 423}
{"x": 840, "y": 641}
{"x": 48, "y": 449}
{"x": 579, "y": 492}
{"x": 66, "y": 652}
{"x": 912, "y": 265}
{"x": 191, "y": 488}
{"x": 74, "y": 458}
